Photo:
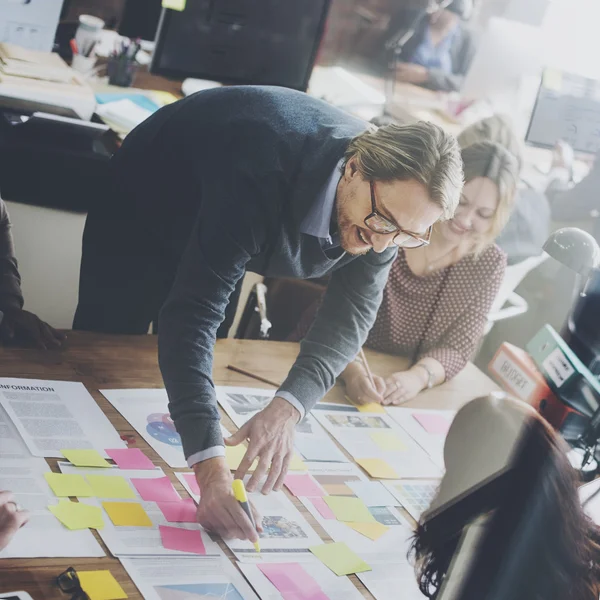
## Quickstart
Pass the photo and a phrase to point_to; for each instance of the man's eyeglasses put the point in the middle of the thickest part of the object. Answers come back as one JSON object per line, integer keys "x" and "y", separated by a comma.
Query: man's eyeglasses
{"x": 68, "y": 582}
{"x": 377, "y": 223}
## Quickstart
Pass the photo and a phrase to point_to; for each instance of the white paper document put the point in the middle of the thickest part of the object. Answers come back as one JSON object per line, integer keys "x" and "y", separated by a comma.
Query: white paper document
{"x": 399, "y": 530}
{"x": 378, "y": 436}
{"x": 285, "y": 530}
{"x": 372, "y": 493}
{"x": 335, "y": 478}
{"x": 391, "y": 577}
{"x": 334, "y": 587}
{"x": 187, "y": 579}
{"x": 56, "y": 415}
{"x": 11, "y": 442}
{"x": 147, "y": 411}
{"x": 43, "y": 536}
{"x": 135, "y": 541}
{"x": 426, "y": 426}
{"x": 312, "y": 442}
{"x": 415, "y": 495}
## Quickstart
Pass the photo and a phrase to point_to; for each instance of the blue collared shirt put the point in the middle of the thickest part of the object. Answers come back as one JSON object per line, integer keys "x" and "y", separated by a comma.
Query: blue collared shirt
{"x": 321, "y": 218}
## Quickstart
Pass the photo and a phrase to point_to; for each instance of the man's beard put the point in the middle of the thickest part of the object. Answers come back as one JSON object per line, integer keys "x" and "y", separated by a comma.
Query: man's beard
{"x": 347, "y": 232}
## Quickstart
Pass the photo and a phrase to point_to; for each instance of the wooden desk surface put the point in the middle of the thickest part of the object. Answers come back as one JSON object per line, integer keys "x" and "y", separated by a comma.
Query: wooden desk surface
{"x": 104, "y": 361}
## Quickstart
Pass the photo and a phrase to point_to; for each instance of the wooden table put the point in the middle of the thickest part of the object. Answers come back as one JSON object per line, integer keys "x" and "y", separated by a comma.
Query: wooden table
{"x": 104, "y": 361}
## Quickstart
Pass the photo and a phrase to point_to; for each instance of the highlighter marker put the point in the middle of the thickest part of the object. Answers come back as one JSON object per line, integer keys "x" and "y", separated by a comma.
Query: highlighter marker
{"x": 239, "y": 492}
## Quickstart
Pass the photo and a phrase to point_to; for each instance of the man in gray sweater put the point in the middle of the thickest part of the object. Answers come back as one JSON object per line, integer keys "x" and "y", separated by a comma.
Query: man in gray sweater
{"x": 278, "y": 183}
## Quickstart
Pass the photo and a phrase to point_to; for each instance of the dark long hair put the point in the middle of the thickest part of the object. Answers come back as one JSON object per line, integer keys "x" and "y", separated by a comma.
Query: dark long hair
{"x": 538, "y": 545}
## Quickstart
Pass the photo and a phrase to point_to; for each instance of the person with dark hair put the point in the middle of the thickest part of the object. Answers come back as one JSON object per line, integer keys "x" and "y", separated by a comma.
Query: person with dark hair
{"x": 441, "y": 49}
{"x": 506, "y": 522}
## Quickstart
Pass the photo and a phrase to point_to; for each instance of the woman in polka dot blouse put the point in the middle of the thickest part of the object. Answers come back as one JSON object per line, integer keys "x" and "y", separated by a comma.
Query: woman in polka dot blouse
{"x": 438, "y": 296}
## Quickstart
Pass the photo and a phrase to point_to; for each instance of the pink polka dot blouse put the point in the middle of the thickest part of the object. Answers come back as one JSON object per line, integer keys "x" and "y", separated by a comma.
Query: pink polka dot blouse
{"x": 442, "y": 315}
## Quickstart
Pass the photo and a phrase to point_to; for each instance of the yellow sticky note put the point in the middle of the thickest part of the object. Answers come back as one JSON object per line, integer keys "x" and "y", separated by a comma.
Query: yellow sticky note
{"x": 371, "y": 530}
{"x": 297, "y": 464}
{"x": 372, "y": 407}
{"x": 107, "y": 486}
{"x": 127, "y": 514}
{"x": 174, "y": 4}
{"x": 67, "y": 484}
{"x": 340, "y": 559}
{"x": 85, "y": 458}
{"x": 77, "y": 515}
{"x": 100, "y": 585}
{"x": 388, "y": 440}
{"x": 234, "y": 456}
{"x": 349, "y": 509}
{"x": 377, "y": 468}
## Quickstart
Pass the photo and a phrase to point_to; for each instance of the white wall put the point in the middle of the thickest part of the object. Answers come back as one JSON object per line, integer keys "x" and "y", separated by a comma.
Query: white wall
{"x": 48, "y": 248}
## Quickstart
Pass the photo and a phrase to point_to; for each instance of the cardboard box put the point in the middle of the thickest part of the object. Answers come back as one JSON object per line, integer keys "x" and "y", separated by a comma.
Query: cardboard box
{"x": 516, "y": 372}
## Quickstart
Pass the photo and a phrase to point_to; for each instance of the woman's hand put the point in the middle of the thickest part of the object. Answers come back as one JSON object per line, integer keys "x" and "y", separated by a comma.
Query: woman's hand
{"x": 403, "y": 386}
{"x": 11, "y": 518}
{"x": 359, "y": 388}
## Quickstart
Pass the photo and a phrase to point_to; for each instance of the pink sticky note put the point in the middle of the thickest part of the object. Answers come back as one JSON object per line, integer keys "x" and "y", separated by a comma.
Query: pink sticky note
{"x": 303, "y": 485}
{"x": 159, "y": 489}
{"x": 183, "y": 511}
{"x": 435, "y": 424}
{"x": 323, "y": 508}
{"x": 292, "y": 581}
{"x": 184, "y": 540}
{"x": 191, "y": 480}
{"x": 130, "y": 458}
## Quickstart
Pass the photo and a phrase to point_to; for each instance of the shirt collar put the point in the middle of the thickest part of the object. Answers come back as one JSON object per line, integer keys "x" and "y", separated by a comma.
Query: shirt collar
{"x": 319, "y": 219}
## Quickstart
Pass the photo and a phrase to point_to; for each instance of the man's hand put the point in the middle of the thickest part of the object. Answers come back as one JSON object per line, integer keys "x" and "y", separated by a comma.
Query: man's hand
{"x": 11, "y": 519}
{"x": 270, "y": 434}
{"x": 219, "y": 512}
{"x": 411, "y": 73}
{"x": 360, "y": 390}
{"x": 403, "y": 386}
{"x": 22, "y": 328}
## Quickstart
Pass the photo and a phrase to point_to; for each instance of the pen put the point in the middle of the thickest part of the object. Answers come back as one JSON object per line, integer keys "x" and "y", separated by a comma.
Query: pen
{"x": 239, "y": 492}
{"x": 367, "y": 369}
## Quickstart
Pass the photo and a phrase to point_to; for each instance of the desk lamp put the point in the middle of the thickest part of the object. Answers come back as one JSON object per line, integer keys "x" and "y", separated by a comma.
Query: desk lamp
{"x": 579, "y": 251}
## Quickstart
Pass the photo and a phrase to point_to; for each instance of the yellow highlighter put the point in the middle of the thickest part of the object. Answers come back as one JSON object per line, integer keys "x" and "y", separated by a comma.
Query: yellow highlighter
{"x": 239, "y": 492}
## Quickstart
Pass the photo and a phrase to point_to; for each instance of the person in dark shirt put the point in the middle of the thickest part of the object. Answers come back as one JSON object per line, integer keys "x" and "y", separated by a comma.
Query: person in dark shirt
{"x": 440, "y": 52}
{"x": 276, "y": 182}
{"x": 18, "y": 326}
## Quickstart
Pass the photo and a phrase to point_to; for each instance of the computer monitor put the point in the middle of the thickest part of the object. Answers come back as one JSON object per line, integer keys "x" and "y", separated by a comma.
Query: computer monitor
{"x": 567, "y": 108}
{"x": 139, "y": 19}
{"x": 266, "y": 42}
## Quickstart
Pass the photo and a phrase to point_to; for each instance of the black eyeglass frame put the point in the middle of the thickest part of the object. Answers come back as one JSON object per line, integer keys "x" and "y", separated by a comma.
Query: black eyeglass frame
{"x": 413, "y": 240}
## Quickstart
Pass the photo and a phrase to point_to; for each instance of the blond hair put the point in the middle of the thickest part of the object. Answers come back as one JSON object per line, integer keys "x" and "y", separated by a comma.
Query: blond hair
{"x": 421, "y": 151}
{"x": 496, "y": 163}
{"x": 498, "y": 129}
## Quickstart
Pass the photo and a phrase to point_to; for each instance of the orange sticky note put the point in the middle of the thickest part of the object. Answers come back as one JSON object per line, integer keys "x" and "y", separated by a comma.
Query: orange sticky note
{"x": 378, "y": 468}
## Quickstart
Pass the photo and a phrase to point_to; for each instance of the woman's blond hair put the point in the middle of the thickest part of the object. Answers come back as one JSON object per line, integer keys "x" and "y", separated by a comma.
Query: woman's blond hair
{"x": 421, "y": 151}
{"x": 498, "y": 129}
{"x": 496, "y": 163}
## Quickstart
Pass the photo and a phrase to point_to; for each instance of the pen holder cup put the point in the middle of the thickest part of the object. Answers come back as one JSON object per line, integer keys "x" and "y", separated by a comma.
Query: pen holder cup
{"x": 83, "y": 64}
{"x": 121, "y": 72}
